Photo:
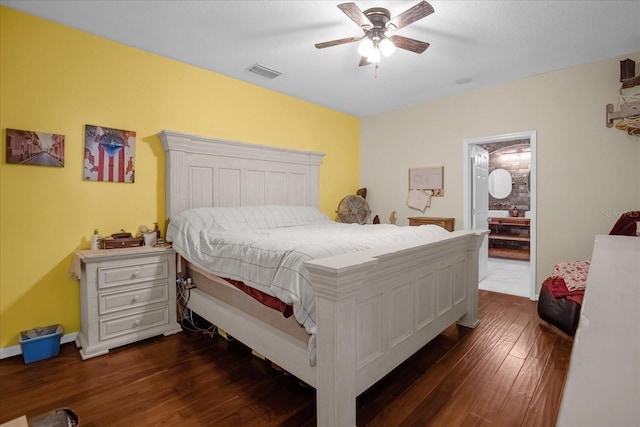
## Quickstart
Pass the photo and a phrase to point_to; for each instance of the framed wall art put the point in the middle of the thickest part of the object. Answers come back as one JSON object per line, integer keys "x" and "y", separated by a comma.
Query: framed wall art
{"x": 26, "y": 147}
{"x": 109, "y": 154}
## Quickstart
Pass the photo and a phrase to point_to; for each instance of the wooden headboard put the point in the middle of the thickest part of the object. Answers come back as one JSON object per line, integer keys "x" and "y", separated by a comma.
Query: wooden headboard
{"x": 204, "y": 172}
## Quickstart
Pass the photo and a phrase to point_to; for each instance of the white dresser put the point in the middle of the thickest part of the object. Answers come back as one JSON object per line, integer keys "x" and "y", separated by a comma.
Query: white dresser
{"x": 603, "y": 383}
{"x": 126, "y": 295}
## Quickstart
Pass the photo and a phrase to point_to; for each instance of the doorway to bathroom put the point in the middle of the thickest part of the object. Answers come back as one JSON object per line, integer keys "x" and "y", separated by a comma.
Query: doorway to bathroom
{"x": 504, "y": 203}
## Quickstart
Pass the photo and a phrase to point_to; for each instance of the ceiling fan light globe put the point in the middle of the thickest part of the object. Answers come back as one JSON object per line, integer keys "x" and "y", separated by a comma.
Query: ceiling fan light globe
{"x": 374, "y": 56}
{"x": 366, "y": 47}
{"x": 387, "y": 47}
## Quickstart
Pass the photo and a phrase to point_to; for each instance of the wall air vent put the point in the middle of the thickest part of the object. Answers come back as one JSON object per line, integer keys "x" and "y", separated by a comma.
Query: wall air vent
{"x": 263, "y": 71}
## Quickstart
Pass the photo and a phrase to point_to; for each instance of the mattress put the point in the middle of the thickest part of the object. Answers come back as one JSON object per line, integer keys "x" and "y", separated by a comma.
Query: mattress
{"x": 231, "y": 295}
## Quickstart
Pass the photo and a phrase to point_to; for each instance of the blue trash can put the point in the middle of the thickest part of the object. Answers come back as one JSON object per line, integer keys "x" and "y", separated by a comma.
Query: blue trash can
{"x": 40, "y": 343}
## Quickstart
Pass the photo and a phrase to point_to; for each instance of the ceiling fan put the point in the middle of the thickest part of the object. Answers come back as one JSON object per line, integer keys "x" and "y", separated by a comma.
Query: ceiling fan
{"x": 375, "y": 22}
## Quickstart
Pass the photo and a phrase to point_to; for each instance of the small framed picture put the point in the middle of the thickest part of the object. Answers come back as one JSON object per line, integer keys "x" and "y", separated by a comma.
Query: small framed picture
{"x": 27, "y": 147}
{"x": 109, "y": 154}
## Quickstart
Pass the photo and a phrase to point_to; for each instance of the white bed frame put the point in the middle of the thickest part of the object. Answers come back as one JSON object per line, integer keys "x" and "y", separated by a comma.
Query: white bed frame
{"x": 375, "y": 308}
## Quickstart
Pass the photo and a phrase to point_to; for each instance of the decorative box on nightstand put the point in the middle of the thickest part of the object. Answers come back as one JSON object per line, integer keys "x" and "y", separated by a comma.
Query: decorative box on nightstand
{"x": 126, "y": 295}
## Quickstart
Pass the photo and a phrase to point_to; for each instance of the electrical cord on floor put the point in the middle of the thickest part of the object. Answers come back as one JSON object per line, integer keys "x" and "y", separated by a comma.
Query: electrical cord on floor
{"x": 187, "y": 321}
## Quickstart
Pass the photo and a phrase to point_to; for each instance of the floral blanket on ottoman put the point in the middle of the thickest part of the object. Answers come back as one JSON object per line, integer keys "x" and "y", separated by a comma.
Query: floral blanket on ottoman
{"x": 574, "y": 274}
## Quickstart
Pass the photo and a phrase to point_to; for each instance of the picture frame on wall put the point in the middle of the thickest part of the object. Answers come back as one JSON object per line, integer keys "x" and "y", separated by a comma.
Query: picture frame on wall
{"x": 109, "y": 154}
{"x": 26, "y": 147}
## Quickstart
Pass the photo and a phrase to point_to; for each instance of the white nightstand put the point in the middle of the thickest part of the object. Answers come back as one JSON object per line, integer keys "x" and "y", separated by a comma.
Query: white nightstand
{"x": 126, "y": 295}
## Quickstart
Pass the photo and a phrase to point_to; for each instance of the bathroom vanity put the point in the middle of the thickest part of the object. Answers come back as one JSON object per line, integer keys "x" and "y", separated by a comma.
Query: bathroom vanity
{"x": 509, "y": 238}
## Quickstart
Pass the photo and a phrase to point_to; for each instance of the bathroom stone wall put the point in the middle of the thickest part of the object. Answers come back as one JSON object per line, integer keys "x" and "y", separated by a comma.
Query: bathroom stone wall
{"x": 515, "y": 157}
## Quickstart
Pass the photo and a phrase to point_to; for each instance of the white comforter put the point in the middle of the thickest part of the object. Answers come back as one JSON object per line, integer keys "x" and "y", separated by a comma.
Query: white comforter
{"x": 272, "y": 259}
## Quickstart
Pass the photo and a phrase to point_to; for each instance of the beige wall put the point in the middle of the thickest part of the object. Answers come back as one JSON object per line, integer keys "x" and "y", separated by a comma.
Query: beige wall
{"x": 587, "y": 174}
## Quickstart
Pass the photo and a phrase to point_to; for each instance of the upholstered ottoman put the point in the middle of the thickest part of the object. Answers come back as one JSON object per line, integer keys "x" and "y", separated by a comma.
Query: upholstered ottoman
{"x": 563, "y": 313}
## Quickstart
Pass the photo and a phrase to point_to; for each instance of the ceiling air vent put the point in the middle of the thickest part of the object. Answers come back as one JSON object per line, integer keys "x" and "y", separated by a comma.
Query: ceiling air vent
{"x": 264, "y": 71}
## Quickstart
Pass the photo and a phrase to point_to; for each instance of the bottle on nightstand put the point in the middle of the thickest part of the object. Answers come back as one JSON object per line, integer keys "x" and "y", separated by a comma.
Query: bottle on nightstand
{"x": 95, "y": 240}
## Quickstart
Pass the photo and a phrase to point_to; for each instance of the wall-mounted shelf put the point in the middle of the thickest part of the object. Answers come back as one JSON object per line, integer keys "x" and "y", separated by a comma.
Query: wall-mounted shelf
{"x": 627, "y": 109}
{"x": 633, "y": 81}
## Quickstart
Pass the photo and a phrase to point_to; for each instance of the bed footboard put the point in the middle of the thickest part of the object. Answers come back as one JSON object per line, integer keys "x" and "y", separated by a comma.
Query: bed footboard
{"x": 376, "y": 308}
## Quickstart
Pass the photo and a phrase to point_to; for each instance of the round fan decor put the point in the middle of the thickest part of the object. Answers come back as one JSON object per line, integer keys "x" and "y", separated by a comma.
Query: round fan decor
{"x": 353, "y": 209}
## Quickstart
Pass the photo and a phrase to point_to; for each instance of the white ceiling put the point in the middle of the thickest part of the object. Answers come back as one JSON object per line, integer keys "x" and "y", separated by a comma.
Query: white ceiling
{"x": 489, "y": 42}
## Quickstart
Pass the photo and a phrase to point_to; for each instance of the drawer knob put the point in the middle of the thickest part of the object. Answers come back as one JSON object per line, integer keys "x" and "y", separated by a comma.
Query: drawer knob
{"x": 136, "y": 298}
{"x": 136, "y": 323}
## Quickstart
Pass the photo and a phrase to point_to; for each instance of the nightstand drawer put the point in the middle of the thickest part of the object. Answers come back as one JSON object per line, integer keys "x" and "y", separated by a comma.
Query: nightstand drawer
{"x": 116, "y": 301}
{"x": 117, "y": 275}
{"x": 111, "y": 328}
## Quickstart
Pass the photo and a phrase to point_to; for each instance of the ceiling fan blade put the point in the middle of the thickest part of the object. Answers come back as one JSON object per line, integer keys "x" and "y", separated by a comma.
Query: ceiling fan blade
{"x": 337, "y": 42}
{"x": 410, "y": 15}
{"x": 409, "y": 44}
{"x": 356, "y": 15}
{"x": 363, "y": 61}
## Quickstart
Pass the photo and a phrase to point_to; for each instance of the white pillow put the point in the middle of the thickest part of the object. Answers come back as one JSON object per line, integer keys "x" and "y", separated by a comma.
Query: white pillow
{"x": 247, "y": 218}
{"x": 260, "y": 217}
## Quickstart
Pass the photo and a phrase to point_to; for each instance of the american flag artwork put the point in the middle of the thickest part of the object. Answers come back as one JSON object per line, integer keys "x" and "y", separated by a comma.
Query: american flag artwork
{"x": 109, "y": 154}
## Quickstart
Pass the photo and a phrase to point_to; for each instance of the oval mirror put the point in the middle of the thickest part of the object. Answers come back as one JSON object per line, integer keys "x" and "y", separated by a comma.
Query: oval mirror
{"x": 500, "y": 183}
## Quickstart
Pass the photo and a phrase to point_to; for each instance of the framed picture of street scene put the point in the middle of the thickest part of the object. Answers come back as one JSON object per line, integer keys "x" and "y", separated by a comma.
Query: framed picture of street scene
{"x": 27, "y": 147}
{"x": 109, "y": 154}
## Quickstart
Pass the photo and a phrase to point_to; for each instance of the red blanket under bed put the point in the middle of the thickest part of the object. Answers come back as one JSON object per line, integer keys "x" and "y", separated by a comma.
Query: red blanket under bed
{"x": 265, "y": 299}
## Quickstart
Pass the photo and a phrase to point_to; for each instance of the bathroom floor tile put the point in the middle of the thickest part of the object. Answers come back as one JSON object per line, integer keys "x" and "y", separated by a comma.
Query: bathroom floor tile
{"x": 507, "y": 277}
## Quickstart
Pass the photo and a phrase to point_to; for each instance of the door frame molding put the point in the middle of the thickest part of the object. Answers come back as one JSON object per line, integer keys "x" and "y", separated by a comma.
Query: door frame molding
{"x": 466, "y": 176}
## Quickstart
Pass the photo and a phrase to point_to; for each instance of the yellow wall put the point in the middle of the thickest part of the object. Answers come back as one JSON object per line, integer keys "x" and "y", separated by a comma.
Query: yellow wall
{"x": 55, "y": 79}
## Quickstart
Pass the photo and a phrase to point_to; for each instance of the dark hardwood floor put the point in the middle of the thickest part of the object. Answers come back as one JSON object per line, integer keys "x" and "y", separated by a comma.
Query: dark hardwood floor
{"x": 509, "y": 371}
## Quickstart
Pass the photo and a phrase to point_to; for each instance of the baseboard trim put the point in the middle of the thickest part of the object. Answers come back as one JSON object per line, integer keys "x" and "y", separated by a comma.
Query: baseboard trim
{"x": 16, "y": 350}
